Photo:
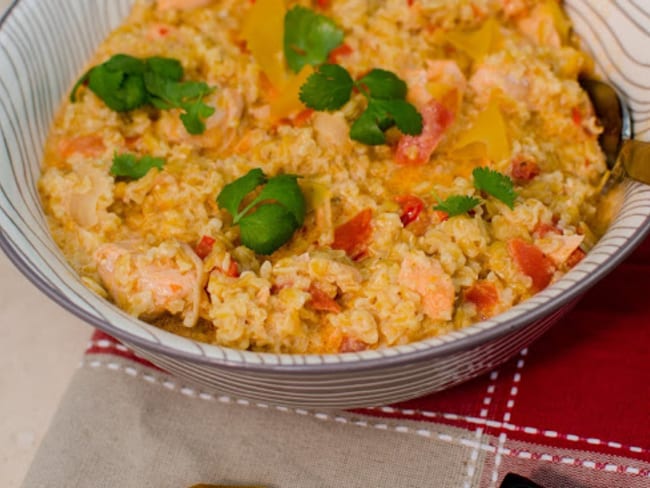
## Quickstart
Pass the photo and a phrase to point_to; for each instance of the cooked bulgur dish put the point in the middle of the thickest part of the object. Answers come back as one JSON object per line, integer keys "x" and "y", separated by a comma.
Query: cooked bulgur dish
{"x": 324, "y": 176}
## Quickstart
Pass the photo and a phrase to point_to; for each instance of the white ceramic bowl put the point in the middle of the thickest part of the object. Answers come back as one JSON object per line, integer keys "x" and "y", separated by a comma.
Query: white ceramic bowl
{"x": 44, "y": 44}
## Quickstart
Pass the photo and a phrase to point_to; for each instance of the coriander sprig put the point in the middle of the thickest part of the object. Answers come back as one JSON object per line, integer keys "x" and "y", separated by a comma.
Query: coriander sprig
{"x": 331, "y": 86}
{"x": 309, "y": 37}
{"x": 130, "y": 167}
{"x": 497, "y": 184}
{"x": 492, "y": 182}
{"x": 272, "y": 217}
{"x": 457, "y": 204}
{"x": 125, "y": 83}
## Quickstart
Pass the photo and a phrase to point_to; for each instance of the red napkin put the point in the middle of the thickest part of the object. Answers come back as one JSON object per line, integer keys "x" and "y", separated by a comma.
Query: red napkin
{"x": 572, "y": 410}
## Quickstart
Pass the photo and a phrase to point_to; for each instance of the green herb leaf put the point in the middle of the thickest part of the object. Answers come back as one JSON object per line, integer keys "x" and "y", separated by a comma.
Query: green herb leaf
{"x": 369, "y": 127}
{"x": 268, "y": 228}
{"x": 383, "y": 85}
{"x": 496, "y": 184}
{"x": 233, "y": 194}
{"x": 125, "y": 83}
{"x": 457, "y": 204}
{"x": 119, "y": 90}
{"x": 284, "y": 189}
{"x": 308, "y": 37}
{"x": 166, "y": 68}
{"x": 129, "y": 166}
{"x": 329, "y": 88}
{"x": 269, "y": 221}
{"x": 405, "y": 115}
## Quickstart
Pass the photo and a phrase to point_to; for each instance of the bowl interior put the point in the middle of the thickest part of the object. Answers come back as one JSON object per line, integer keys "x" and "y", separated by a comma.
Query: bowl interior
{"x": 44, "y": 45}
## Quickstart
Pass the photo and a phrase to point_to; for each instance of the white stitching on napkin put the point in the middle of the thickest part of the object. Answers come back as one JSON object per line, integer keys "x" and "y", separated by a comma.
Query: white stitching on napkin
{"x": 499, "y": 450}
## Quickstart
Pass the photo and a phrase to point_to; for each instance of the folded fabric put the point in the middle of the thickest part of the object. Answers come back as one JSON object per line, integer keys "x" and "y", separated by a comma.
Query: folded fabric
{"x": 572, "y": 410}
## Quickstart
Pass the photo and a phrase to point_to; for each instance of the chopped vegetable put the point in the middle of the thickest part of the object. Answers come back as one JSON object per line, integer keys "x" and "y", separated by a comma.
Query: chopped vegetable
{"x": 485, "y": 296}
{"x": 321, "y": 301}
{"x": 412, "y": 206}
{"x": 477, "y": 43}
{"x": 532, "y": 262}
{"x": 457, "y": 204}
{"x": 524, "y": 169}
{"x": 263, "y": 31}
{"x": 495, "y": 184}
{"x": 270, "y": 219}
{"x": 353, "y": 236}
{"x": 129, "y": 166}
{"x": 331, "y": 86}
{"x": 490, "y": 130}
{"x": 308, "y": 38}
{"x": 125, "y": 83}
{"x": 339, "y": 52}
{"x": 204, "y": 247}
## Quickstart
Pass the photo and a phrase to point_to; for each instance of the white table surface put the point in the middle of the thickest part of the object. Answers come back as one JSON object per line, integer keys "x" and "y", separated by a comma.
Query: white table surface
{"x": 40, "y": 346}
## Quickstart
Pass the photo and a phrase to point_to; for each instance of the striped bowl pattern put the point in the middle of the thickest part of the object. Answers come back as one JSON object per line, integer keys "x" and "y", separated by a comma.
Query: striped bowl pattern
{"x": 44, "y": 45}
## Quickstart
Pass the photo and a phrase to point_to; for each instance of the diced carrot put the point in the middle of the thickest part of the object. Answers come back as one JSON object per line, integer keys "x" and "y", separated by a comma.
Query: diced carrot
{"x": 204, "y": 247}
{"x": 524, "y": 169}
{"x": 339, "y": 52}
{"x": 323, "y": 3}
{"x": 353, "y": 236}
{"x": 89, "y": 146}
{"x": 485, "y": 296}
{"x": 350, "y": 344}
{"x": 321, "y": 301}
{"x": 576, "y": 116}
{"x": 416, "y": 150}
{"x": 440, "y": 215}
{"x": 233, "y": 270}
{"x": 575, "y": 257}
{"x": 411, "y": 208}
{"x": 532, "y": 262}
{"x": 301, "y": 119}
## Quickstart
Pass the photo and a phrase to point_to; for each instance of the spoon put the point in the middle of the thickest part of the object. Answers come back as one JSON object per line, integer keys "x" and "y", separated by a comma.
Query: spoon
{"x": 625, "y": 156}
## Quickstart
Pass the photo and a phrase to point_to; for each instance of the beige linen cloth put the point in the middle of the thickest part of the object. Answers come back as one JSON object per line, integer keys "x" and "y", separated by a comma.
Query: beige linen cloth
{"x": 144, "y": 429}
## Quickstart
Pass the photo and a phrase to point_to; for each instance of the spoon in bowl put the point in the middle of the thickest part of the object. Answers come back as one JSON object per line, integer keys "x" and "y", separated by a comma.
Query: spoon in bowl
{"x": 625, "y": 156}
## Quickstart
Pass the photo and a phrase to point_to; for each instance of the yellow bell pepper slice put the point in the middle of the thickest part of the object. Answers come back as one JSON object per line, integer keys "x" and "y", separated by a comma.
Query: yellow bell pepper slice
{"x": 489, "y": 130}
{"x": 288, "y": 100}
{"x": 263, "y": 31}
{"x": 477, "y": 43}
{"x": 561, "y": 22}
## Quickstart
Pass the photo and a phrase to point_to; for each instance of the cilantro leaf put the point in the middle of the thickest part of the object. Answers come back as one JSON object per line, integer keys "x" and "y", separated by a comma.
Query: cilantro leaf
{"x": 166, "y": 68}
{"x": 125, "y": 83}
{"x": 308, "y": 37}
{"x": 120, "y": 91}
{"x": 369, "y": 127}
{"x": 405, "y": 115}
{"x": 270, "y": 220}
{"x": 383, "y": 85}
{"x": 496, "y": 184}
{"x": 329, "y": 88}
{"x": 457, "y": 204}
{"x": 268, "y": 228}
{"x": 195, "y": 113}
{"x": 233, "y": 193}
{"x": 128, "y": 166}
{"x": 285, "y": 190}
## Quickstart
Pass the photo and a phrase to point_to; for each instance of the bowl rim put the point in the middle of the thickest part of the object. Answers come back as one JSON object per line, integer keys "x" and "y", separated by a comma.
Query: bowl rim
{"x": 466, "y": 342}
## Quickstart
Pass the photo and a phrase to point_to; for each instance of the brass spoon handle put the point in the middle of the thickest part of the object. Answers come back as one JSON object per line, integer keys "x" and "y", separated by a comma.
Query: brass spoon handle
{"x": 635, "y": 160}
